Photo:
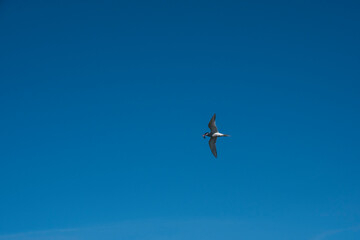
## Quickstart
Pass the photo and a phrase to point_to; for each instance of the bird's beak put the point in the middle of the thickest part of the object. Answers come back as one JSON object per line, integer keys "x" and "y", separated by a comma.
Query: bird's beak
{"x": 203, "y": 135}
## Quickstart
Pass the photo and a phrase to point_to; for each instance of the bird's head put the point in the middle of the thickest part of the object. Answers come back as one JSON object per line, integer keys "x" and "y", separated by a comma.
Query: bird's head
{"x": 205, "y": 134}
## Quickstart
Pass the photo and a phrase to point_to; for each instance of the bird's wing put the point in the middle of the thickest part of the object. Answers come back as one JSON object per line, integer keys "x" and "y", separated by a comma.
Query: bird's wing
{"x": 212, "y": 125}
{"x": 212, "y": 145}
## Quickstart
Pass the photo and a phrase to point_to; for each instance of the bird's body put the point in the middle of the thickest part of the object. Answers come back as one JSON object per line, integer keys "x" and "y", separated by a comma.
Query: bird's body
{"x": 219, "y": 135}
{"x": 214, "y": 134}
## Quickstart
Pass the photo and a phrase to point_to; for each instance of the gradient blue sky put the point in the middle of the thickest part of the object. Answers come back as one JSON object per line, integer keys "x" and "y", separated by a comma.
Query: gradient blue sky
{"x": 103, "y": 104}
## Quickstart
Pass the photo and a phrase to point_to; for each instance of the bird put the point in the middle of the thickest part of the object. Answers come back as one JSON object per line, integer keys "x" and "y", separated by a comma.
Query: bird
{"x": 213, "y": 134}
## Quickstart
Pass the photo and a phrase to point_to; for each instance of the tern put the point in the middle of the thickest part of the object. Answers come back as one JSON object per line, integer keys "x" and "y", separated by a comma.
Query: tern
{"x": 213, "y": 134}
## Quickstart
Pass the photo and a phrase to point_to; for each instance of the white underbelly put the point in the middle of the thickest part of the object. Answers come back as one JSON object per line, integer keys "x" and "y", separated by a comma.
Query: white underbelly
{"x": 218, "y": 134}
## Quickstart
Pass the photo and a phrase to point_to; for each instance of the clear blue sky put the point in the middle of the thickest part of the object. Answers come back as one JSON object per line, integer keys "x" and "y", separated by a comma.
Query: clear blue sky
{"x": 103, "y": 104}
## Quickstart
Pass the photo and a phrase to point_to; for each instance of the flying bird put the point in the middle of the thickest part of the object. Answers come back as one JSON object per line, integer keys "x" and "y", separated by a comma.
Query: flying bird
{"x": 213, "y": 134}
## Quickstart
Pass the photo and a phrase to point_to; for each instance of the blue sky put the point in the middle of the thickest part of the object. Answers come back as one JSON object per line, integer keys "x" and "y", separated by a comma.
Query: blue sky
{"x": 103, "y": 104}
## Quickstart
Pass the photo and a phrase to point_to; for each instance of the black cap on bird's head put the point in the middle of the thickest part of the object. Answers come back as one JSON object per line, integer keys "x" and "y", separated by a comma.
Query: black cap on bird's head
{"x": 205, "y": 134}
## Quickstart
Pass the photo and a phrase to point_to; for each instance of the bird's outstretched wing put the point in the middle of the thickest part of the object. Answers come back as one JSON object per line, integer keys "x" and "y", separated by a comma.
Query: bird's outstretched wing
{"x": 212, "y": 145}
{"x": 212, "y": 125}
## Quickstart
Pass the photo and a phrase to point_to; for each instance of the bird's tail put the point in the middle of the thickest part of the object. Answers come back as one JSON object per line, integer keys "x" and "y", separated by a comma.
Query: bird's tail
{"x": 225, "y": 135}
